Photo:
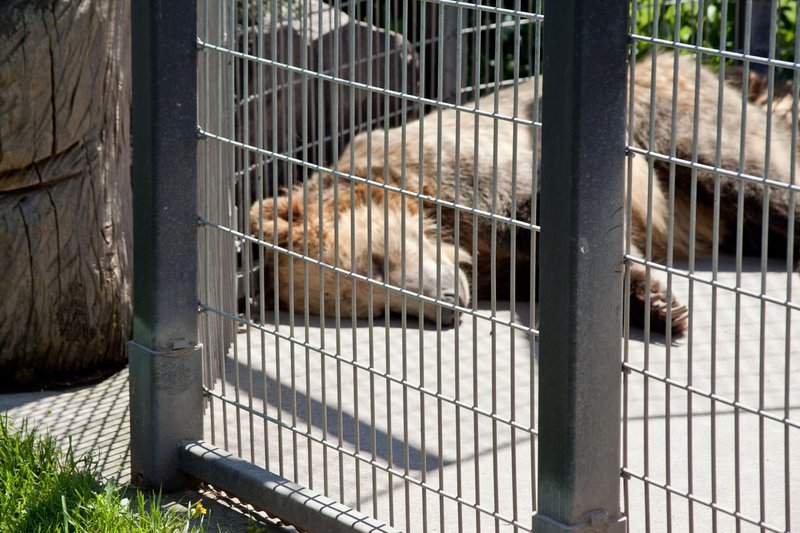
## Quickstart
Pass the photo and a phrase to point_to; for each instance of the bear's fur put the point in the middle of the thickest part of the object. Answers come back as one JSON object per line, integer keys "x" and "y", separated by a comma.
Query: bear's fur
{"x": 489, "y": 168}
{"x": 758, "y": 91}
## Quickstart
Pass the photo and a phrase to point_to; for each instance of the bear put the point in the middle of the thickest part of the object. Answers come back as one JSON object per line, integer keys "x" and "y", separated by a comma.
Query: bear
{"x": 758, "y": 91}
{"x": 427, "y": 211}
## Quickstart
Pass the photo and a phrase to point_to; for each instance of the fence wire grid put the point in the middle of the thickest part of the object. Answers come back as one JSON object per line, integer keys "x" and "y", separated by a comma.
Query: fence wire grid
{"x": 379, "y": 397}
{"x": 346, "y": 146}
{"x": 710, "y": 420}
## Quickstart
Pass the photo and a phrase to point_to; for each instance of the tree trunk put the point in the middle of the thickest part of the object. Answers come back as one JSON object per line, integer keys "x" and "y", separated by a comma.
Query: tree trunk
{"x": 65, "y": 195}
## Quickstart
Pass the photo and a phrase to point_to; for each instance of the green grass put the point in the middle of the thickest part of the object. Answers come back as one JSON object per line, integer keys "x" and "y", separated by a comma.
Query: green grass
{"x": 44, "y": 489}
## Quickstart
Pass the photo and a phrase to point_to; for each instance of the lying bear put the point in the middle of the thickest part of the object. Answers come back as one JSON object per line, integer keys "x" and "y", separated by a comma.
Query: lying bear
{"x": 415, "y": 241}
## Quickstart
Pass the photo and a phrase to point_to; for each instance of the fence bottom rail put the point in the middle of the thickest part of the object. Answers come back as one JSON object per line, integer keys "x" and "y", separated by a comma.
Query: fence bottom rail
{"x": 292, "y": 503}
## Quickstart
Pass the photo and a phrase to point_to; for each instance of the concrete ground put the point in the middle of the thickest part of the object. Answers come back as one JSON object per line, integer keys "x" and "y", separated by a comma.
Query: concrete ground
{"x": 441, "y": 451}
{"x": 746, "y": 460}
{"x": 442, "y": 402}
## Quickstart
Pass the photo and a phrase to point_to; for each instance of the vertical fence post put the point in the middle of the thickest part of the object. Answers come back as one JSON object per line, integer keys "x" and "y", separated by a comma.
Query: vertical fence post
{"x": 583, "y": 147}
{"x": 757, "y": 40}
{"x": 449, "y": 43}
{"x": 164, "y": 355}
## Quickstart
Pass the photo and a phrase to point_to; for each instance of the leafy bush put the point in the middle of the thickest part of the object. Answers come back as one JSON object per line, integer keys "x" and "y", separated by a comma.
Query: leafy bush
{"x": 704, "y": 23}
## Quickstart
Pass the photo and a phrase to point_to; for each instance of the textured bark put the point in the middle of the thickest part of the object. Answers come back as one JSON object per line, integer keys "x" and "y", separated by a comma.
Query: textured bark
{"x": 65, "y": 197}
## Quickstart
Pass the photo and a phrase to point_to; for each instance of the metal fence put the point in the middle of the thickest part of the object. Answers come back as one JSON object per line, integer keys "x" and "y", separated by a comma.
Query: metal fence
{"x": 710, "y": 422}
{"x": 383, "y": 410}
{"x": 431, "y": 284}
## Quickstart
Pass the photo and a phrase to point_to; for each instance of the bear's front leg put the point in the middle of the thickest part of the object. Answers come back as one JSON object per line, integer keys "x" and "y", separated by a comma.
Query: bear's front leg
{"x": 659, "y": 304}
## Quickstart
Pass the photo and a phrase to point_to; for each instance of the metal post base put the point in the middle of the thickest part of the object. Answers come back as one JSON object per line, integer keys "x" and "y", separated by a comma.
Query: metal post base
{"x": 166, "y": 395}
{"x": 595, "y": 521}
{"x": 291, "y": 502}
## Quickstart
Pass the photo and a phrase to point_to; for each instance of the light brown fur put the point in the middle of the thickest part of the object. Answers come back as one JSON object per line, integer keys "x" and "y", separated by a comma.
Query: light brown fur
{"x": 783, "y": 91}
{"x": 489, "y": 167}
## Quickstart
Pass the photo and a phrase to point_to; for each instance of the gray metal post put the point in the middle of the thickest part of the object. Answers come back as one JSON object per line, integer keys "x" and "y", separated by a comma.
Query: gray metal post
{"x": 581, "y": 264}
{"x": 164, "y": 355}
{"x": 757, "y": 40}
{"x": 449, "y": 43}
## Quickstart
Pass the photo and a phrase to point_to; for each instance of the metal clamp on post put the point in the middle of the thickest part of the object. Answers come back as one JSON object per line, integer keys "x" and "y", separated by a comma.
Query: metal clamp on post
{"x": 164, "y": 408}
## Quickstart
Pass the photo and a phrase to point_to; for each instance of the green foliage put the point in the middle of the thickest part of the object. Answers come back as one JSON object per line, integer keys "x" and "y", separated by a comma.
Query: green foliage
{"x": 710, "y": 24}
{"x": 43, "y": 489}
{"x": 787, "y": 26}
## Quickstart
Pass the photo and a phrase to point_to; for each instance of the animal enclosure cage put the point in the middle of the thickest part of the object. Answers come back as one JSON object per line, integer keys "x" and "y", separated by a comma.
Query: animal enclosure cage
{"x": 358, "y": 404}
{"x": 710, "y": 422}
{"x": 400, "y": 214}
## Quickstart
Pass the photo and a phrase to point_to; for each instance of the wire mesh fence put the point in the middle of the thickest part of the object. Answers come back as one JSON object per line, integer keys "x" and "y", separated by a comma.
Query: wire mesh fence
{"x": 375, "y": 362}
{"x": 711, "y": 417}
{"x": 374, "y": 170}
